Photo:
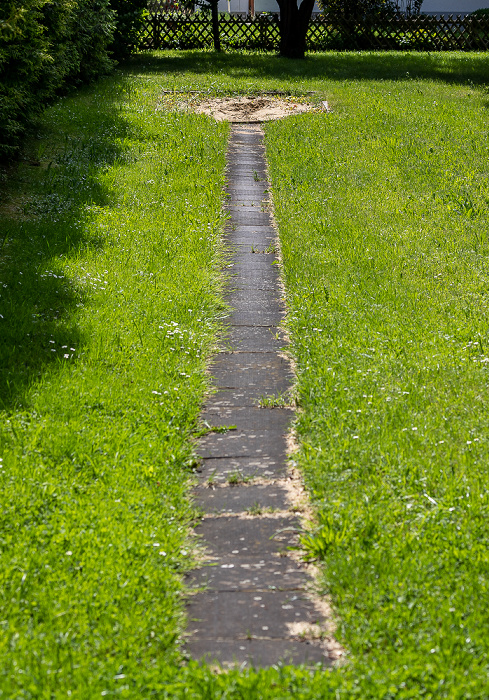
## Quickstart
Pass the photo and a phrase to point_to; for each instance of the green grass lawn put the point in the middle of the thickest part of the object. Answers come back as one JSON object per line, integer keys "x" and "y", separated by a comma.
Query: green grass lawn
{"x": 110, "y": 305}
{"x": 383, "y": 211}
{"x": 110, "y": 298}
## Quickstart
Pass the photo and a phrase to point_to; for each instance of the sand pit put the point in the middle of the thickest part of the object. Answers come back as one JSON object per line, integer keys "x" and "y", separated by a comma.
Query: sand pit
{"x": 251, "y": 109}
{"x": 244, "y": 109}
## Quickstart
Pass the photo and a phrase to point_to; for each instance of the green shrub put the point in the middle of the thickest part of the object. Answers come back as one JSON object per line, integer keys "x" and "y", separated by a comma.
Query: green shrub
{"x": 130, "y": 15}
{"x": 23, "y": 60}
{"x": 482, "y": 13}
{"x": 80, "y": 32}
{"x": 359, "y": 9}
{"x": 44, "y": 46}
{"x": 479, "y": 28}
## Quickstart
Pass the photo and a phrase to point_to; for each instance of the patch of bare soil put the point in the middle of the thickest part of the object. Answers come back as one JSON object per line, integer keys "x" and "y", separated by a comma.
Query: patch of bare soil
{"x": 251, "y": 109}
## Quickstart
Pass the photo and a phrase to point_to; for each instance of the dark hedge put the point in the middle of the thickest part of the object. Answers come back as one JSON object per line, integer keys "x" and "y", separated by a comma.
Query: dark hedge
{"x": 129, "y": 15}
{"x": 47, "y": 45}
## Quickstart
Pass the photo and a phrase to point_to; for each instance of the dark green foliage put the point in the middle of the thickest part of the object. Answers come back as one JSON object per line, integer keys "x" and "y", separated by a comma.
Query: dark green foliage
{"x": 23, "y": 60}
{"x": 410, "y": 7}
{"x": 482, "y": 13}
{"x": 358, "y": 21}
{"x": 359, "y": 9}
{"x": 130, "y": 15}
{"x": 93, "y": 27}
{"x": 479, "y": 27}
{"x": 43, "y": 46}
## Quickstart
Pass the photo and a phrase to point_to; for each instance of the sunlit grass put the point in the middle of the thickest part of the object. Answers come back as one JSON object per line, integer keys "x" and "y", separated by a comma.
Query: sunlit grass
{"x": 110, "y": 254}
{"x": 110, "y": 297}
{"x": 383, "y": 211}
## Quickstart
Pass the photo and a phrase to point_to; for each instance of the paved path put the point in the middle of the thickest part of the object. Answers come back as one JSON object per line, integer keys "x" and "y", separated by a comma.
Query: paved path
{"x": 255, "y": 603}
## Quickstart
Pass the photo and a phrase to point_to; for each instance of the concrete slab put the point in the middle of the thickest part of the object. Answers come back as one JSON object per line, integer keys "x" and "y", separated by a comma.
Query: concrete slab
{"x": 246, "y": 144}
{"x": 255, "y": 273}
{"x": 247, "y": 170}
{"x": 240, "y": 151}
{"x": 258, "y": 248}
{"x": 241, "y": 498}
{"x": 254, "y": 338}
{"x": 255, "y": 300}
{"x": 257, "y": 190}
{"x": 246, "y": 174}
{"x": 257, "y": 653}
{"x": 248, "y": 418}
{"x": 234, "y": 204}
{"x": 229, "y": 367}
{"x": 240, "y": 145}
{"x": 249, "y": 138}
{"x": 251, "y": 396}
{"x": 245, "y": 200}
{"x": 258, "y": 537}
{"x": 241, "y": 167}
{"x": 246, "y": 230}
{"x": 240, "y": 155}
{"x": 244, "y": 614}
{"x": 260, "y": 443}
{"x": 243, "y": 153}
{"x": 243, "y": 239}
{"x": 233, "y": 573}
{"x": 248, "y": 264}
{"x": 222, "y": 470}
{"x": 271, "y": 319}
{"x": 255, "y": 279}
{"x": 251, "y": 272}
{"x": 249, "y": 216}
{"x": 247, "y": 259}
{"x": 245, "y": 140}
{"x": 258, "y": 380}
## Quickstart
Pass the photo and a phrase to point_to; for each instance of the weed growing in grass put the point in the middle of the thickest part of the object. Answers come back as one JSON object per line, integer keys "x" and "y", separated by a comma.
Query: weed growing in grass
{"x": 237, "y": 477}
{"x": 206, "y": 429}
{"x": 283, "y": 400}
{"x": 255, "y": 509}
{"x": 211, "y": 479}
{"x": 223, "y": 428}
{"x": 269, "y": 250}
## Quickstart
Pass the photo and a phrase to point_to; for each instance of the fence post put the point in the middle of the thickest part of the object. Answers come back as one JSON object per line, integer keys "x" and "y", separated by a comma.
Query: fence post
{"x": 154, "y": 24}
{"x": 263, "y": 30}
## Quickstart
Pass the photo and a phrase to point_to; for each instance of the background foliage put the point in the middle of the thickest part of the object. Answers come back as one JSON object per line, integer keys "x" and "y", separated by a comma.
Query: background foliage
{"x": 362, "y": 9}
{"x": 46, "y": 45}
{"x": 129, "y": 16}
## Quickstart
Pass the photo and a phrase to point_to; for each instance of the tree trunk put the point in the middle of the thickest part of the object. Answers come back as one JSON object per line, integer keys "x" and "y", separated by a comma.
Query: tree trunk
{"x": 215, "y": 26}
{"x": 294, "y": 22}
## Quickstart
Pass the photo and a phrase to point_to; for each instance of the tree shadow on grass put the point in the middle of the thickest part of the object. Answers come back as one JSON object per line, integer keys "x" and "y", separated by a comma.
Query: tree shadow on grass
{"x": 340, "y": 66}
{"x": 46, "y": 212}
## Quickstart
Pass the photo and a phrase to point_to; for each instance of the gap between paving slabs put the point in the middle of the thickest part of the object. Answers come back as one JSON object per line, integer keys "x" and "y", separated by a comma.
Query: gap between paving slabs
{"x": 252, "y": 602}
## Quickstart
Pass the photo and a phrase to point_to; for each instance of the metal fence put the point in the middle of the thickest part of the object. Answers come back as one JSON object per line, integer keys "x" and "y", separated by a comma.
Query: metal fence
{"x": 179, "y": 30}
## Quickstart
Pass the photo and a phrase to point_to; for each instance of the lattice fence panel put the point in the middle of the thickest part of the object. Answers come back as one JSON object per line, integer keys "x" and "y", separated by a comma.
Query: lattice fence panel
{"x": 419, "y": 33}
